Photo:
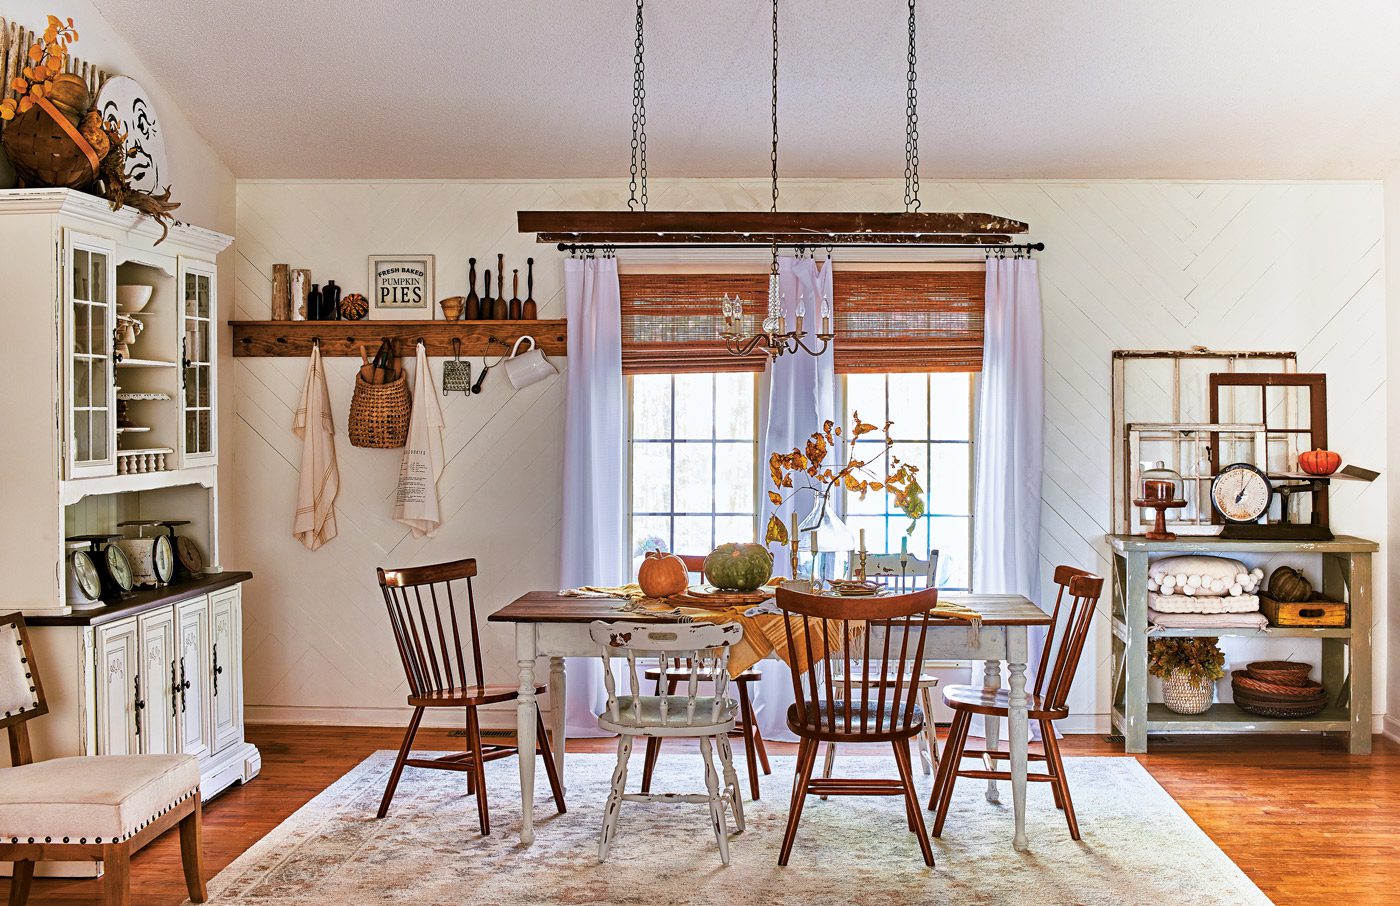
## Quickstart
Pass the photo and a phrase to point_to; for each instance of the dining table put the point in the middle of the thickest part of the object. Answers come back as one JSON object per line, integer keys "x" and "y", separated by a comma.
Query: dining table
{"x": 554, "y": 624}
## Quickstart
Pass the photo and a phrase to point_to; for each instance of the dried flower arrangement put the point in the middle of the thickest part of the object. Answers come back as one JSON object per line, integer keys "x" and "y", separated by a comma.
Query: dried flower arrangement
{"x": 47, "y": 58}
{"x": 1200, "y": 658}
{"x": 899, "y": 478}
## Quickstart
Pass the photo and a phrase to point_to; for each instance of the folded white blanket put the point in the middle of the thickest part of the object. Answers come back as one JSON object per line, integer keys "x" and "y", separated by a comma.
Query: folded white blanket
{"x": 1254, "y": 620}
{"x": 1202, "y": 604}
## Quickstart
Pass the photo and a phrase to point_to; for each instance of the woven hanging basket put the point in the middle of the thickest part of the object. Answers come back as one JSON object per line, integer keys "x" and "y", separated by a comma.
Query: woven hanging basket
{"x": 379, "y": 413}
{"x": 46, "y": 150}
{"x": 1185, "y": 695}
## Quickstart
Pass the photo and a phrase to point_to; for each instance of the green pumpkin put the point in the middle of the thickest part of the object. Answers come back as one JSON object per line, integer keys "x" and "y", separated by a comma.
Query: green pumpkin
{"x": 1288, "y": 585}
{"x": 739, "y": 567}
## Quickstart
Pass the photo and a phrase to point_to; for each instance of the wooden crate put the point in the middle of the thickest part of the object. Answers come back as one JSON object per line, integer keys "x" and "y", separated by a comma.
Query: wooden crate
{"x": 1316, "y": 612}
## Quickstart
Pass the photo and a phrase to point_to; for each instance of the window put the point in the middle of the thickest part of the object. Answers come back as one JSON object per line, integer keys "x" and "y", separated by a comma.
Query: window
{"x": 933, "y": 418}
{"x": 693, "y": 448}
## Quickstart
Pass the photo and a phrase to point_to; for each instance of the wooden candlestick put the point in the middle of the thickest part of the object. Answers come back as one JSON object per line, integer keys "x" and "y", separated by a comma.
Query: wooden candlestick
{"x": 1159, "y": 529}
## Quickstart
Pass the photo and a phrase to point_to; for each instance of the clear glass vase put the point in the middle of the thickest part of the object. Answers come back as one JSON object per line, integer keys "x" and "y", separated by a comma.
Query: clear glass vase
{"x": 829, "y": 556}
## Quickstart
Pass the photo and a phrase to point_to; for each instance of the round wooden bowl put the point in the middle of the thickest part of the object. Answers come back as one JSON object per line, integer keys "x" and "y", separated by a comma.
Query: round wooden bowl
{"x": 1287, "y": 673}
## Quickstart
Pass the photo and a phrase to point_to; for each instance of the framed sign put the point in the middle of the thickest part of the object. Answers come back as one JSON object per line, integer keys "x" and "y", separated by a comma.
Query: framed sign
{"x": 401, "y": 286}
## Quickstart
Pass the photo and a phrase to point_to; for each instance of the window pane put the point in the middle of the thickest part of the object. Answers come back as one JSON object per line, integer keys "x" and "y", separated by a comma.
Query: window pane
{"x": 875, "y": 503}
{"x": 649, "y": 533}
{"x": 651, "y": 406}
{"x": 918, "y": 539}
{"x": 949, "y": 480}
{"x": 950, "y": 536}
{"x": 99, "y": 435}
{"x": 734, "y": 406}
{"x": 734, "y": 478}
{"x": 875, "y": 540}
{"x": 865, "y": 393}
{"x": 82, "y": 370}
{"x": 651, "y": 477}
{"x": 734, "y": 528}
{"x": 908, "y": 406}
{"x": 99, "y": 278}
{"x": 951, "y": 394}
{"x": 695, "y": 405}
{"x": 694, "y": 480}
{"x": 81, "y": 287}
{"x": 694, "y": 534}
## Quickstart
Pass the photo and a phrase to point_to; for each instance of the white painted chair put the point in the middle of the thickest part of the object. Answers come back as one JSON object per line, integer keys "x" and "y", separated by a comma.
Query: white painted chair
{"x": 705, "y": 648}
{"x": 902, "y": 573}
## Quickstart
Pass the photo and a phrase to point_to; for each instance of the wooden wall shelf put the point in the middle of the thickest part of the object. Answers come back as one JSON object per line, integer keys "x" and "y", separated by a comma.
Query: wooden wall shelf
{"x": 344, "y": 338}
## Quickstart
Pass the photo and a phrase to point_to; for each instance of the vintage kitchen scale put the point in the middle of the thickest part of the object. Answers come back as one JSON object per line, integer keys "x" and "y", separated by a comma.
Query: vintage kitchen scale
{"x": 102, "y": 560}
{"x": 1242, "y": 493}
{"x": 152, "y": 558}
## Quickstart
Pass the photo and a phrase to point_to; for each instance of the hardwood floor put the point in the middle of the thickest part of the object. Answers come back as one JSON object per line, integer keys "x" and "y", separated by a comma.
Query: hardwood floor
{"x": 1307, "y": 822}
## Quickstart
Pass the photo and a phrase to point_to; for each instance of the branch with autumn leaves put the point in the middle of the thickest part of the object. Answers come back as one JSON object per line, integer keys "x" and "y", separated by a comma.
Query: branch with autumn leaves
{"x": 899, "y": 479}
{"x": 47, "y": 58}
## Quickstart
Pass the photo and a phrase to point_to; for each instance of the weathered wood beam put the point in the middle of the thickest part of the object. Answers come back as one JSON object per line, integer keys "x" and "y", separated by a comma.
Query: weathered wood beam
{"x": 344, "y": 338}
{"x": 760, "y": 239}
{"x": 816, "y": 223}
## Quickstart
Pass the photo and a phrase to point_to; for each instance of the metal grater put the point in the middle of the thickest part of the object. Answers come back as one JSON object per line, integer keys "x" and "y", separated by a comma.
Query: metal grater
{"x": 456, "y": 374}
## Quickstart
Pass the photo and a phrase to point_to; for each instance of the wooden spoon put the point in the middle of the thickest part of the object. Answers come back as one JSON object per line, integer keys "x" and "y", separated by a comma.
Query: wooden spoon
{"x": 529, "y": 311}
{"x": 514, "y": 311}
{"x": 501, "y": 311}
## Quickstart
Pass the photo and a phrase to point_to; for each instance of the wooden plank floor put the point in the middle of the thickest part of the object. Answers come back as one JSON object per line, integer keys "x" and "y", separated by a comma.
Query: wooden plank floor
{"x": 1307, "y": 822}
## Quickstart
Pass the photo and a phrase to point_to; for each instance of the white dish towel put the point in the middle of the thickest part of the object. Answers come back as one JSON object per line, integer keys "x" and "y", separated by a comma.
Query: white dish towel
{"x": 314, "y": 523}
{"x": 416, "y": 503}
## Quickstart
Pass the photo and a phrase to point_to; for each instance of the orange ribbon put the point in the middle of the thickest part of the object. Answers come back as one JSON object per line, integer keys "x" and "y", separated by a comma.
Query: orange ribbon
{"x": 47, "y": 106}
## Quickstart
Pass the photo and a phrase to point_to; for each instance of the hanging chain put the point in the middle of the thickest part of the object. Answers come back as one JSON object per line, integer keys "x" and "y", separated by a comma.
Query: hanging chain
{"x": 774, "y": 155}
{"x": 911, "y": 126}
{"x": 639, "y": 119}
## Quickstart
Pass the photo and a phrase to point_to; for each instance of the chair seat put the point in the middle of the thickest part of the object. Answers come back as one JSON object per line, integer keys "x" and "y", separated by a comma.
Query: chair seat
{"x": 862, "y": 729}
{"x": 682, "y": 674}
{"x": 675, "y": 723}
{"x": 997, "y": 702}
{"x": 471, "y": 695}
{"x": 92, "y": 799}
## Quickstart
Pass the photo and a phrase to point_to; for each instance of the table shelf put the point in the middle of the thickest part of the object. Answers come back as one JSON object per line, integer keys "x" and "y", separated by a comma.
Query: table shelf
{"x": 1225, "y": 717}
{"x": 1120, "y": 629}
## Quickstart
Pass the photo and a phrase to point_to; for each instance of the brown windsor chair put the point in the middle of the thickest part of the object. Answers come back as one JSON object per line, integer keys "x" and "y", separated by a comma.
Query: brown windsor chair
{"x": 424, "y": 615}
{"x": 840, "y": 701}
{"x": 1075, "y": 603}
{"x": 675, "y": 672}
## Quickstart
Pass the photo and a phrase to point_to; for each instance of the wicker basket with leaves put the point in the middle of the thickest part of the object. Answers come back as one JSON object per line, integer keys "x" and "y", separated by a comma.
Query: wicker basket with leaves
{"x": 1188, "y": 669}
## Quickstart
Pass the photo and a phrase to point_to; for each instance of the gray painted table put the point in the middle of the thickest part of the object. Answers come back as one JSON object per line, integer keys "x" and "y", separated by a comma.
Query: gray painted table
{"x": 1346, "y": 651}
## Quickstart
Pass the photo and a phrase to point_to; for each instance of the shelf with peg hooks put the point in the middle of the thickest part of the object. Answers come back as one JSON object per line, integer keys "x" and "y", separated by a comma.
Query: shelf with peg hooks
{"x": 344, "y": 338}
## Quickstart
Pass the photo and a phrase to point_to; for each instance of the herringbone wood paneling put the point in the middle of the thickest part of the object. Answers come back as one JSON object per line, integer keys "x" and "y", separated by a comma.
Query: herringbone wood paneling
{"x": 1129, "y": 265}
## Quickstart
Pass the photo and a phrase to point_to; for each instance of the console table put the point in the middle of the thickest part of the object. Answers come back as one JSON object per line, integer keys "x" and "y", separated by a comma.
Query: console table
{"x": 1346, "y": 651}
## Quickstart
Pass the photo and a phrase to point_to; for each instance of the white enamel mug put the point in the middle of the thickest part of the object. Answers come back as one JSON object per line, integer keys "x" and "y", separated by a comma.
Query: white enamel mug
{"x": 529, "y": 367}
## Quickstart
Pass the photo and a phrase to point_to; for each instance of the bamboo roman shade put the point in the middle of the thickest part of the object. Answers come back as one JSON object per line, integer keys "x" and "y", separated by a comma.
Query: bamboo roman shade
{"x": 886, "y": 320}
{"x": 924, "y": 320}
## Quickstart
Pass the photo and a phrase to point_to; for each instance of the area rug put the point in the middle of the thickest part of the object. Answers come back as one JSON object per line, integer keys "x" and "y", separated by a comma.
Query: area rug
{"x": 1138, "y": 847}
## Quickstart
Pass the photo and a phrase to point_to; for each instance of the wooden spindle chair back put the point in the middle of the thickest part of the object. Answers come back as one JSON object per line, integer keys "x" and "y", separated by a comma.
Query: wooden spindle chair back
{"x": 1075, "y": 602}
{"x": 845, "y": 695}
{"x": 702, "y": 647}
{"x": 427, "y": 618}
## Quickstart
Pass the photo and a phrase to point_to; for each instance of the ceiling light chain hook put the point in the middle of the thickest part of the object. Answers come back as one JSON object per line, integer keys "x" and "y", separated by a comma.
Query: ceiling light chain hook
{"x": 639, "y": 119}
{"x": 774, "y": 155}
{"x": 911, "y": 123}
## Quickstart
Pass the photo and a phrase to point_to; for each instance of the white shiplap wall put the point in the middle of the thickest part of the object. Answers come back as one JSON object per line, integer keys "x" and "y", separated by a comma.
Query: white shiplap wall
{"x": 1129, "y": 265}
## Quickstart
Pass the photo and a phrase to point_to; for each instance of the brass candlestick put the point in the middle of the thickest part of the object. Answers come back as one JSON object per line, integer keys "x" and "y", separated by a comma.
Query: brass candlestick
{"x": 860, "y": 571}
{"x": 792, "y": 545}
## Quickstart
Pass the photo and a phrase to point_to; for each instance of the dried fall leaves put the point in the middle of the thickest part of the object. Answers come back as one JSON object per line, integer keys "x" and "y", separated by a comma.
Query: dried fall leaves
{"x": 47, "y": 57}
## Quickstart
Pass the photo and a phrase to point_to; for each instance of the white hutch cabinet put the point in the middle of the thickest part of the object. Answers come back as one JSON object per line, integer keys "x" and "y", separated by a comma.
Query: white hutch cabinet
{"x": 94, "y": 433}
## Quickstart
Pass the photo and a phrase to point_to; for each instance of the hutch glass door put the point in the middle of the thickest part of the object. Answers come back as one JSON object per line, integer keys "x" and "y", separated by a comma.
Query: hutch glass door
{"x": 197, "y": 369}
{"x": 90, "y": 272}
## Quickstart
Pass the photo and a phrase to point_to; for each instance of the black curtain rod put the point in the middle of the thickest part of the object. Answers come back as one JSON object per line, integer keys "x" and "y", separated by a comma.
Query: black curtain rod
{"x": 1022, "y": 246}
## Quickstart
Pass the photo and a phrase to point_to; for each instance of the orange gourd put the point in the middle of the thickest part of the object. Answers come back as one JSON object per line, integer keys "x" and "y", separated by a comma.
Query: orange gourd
{"x": 662, "y": 574}
{"x": 1319, "y": 462}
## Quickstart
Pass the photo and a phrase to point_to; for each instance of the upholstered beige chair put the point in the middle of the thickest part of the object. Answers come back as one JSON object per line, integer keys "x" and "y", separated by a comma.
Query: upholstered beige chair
{"x": 86, "y": 808}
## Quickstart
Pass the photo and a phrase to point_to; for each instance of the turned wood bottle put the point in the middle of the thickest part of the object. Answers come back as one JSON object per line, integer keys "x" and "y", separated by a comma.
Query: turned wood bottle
{"x": 514, "y": 311}
{"x": 488, "y": 306}
{"x": 498, "y": 308}
{"x": 529, "y": 311}
{"x": 471, "y": 310}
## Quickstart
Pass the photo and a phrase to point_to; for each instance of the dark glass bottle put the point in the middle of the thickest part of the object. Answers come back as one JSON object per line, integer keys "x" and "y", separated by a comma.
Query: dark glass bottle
{"x": 330, "y": 302}
{"x": 471, "y": 310}
{"x": 313, "y": 303}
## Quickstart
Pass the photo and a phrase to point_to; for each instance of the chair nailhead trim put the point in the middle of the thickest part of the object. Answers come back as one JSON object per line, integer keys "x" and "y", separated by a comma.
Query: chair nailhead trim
{"x": 127, "y": 836}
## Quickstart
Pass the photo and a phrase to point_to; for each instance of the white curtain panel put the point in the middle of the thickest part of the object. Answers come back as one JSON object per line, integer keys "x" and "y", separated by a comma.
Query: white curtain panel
{"x": 1010, "y": 435}
{"x": 594, "y": 525}
{"x": 800, "y": 397}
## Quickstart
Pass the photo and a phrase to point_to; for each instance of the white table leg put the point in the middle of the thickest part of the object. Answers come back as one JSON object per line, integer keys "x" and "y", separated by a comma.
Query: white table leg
{"x": 556, "y": 715}
{"x": 1019, "y": 731}
{"x": 525, "y": 727}
{"x": 991, "y": 679}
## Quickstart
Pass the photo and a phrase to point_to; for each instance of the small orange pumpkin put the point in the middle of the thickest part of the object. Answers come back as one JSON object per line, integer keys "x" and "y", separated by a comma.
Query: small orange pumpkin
{"x": 662, "y": 574}
{"x": 1319, "y": 462}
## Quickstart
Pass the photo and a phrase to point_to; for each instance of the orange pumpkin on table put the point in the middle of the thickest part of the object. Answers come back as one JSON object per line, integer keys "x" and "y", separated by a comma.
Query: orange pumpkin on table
{"x": 1319, "y": 462}
{"x": 662, "y": 574}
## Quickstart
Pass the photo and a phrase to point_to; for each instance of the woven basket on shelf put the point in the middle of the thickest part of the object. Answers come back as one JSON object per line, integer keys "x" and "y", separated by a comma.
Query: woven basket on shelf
{"x": 379, "y": 413}
{"x": 1269, "y": 708}
{"x": 1185, "y": 695}
{"x": 1285, "y": 673}
{"x": 1306, "y": 688}
{"x": 47, "y": 150}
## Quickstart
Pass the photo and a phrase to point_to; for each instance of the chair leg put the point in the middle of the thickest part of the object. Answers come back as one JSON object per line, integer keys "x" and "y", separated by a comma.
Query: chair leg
{"x": 483, "y": 806}
{"x": 930, "y": 730}
{"x": 948, "y": 771}
{"x": 828, "y": 764}
{"x": 191, "y": 829}
{"x": 614, "y": 804}
{"x": 471, "y": 775}
{"x": 1046, "y": 731}
{"x": 556, "y": 784}
{"x": 750, "y": 750}
{"x": 19, "y": 883}
{"x": 731, "y": 781}
{"x": 717, "y": 822}
{"x": 649, "y": 761}
{"x": 397, "y": 772}
{"x": 1052, "y": 752}
{"x": 806, "y": 760}
{"x": 116, "y": 875}
{"x": 911, "y": 799}
{"x": 758, "y": 742}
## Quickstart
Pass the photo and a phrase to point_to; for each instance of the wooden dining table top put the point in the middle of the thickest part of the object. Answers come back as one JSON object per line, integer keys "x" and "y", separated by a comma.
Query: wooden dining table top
{"x": 553, "y": 607}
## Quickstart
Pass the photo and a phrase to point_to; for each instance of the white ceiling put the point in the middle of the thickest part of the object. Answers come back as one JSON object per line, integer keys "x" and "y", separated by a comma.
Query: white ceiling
{"x": 1020, "y": 88}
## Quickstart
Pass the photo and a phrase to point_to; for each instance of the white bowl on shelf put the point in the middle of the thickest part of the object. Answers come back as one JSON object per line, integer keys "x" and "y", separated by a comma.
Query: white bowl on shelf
{"x": 132, "y": 297}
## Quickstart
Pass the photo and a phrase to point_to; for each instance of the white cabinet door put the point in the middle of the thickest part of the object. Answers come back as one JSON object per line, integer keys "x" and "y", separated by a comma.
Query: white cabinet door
{"x": 89, "y": 316}
{"x": 197, "y": 362}
{"x": 194, "y": 669}
{"x": 227, "y": 656}
{"x": 158, "y": 706}
{"x": 117, "y": 660}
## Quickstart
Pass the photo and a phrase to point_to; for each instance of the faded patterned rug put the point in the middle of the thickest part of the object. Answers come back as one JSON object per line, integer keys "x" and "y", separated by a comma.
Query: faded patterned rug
{"x": 1138, "y": 846}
